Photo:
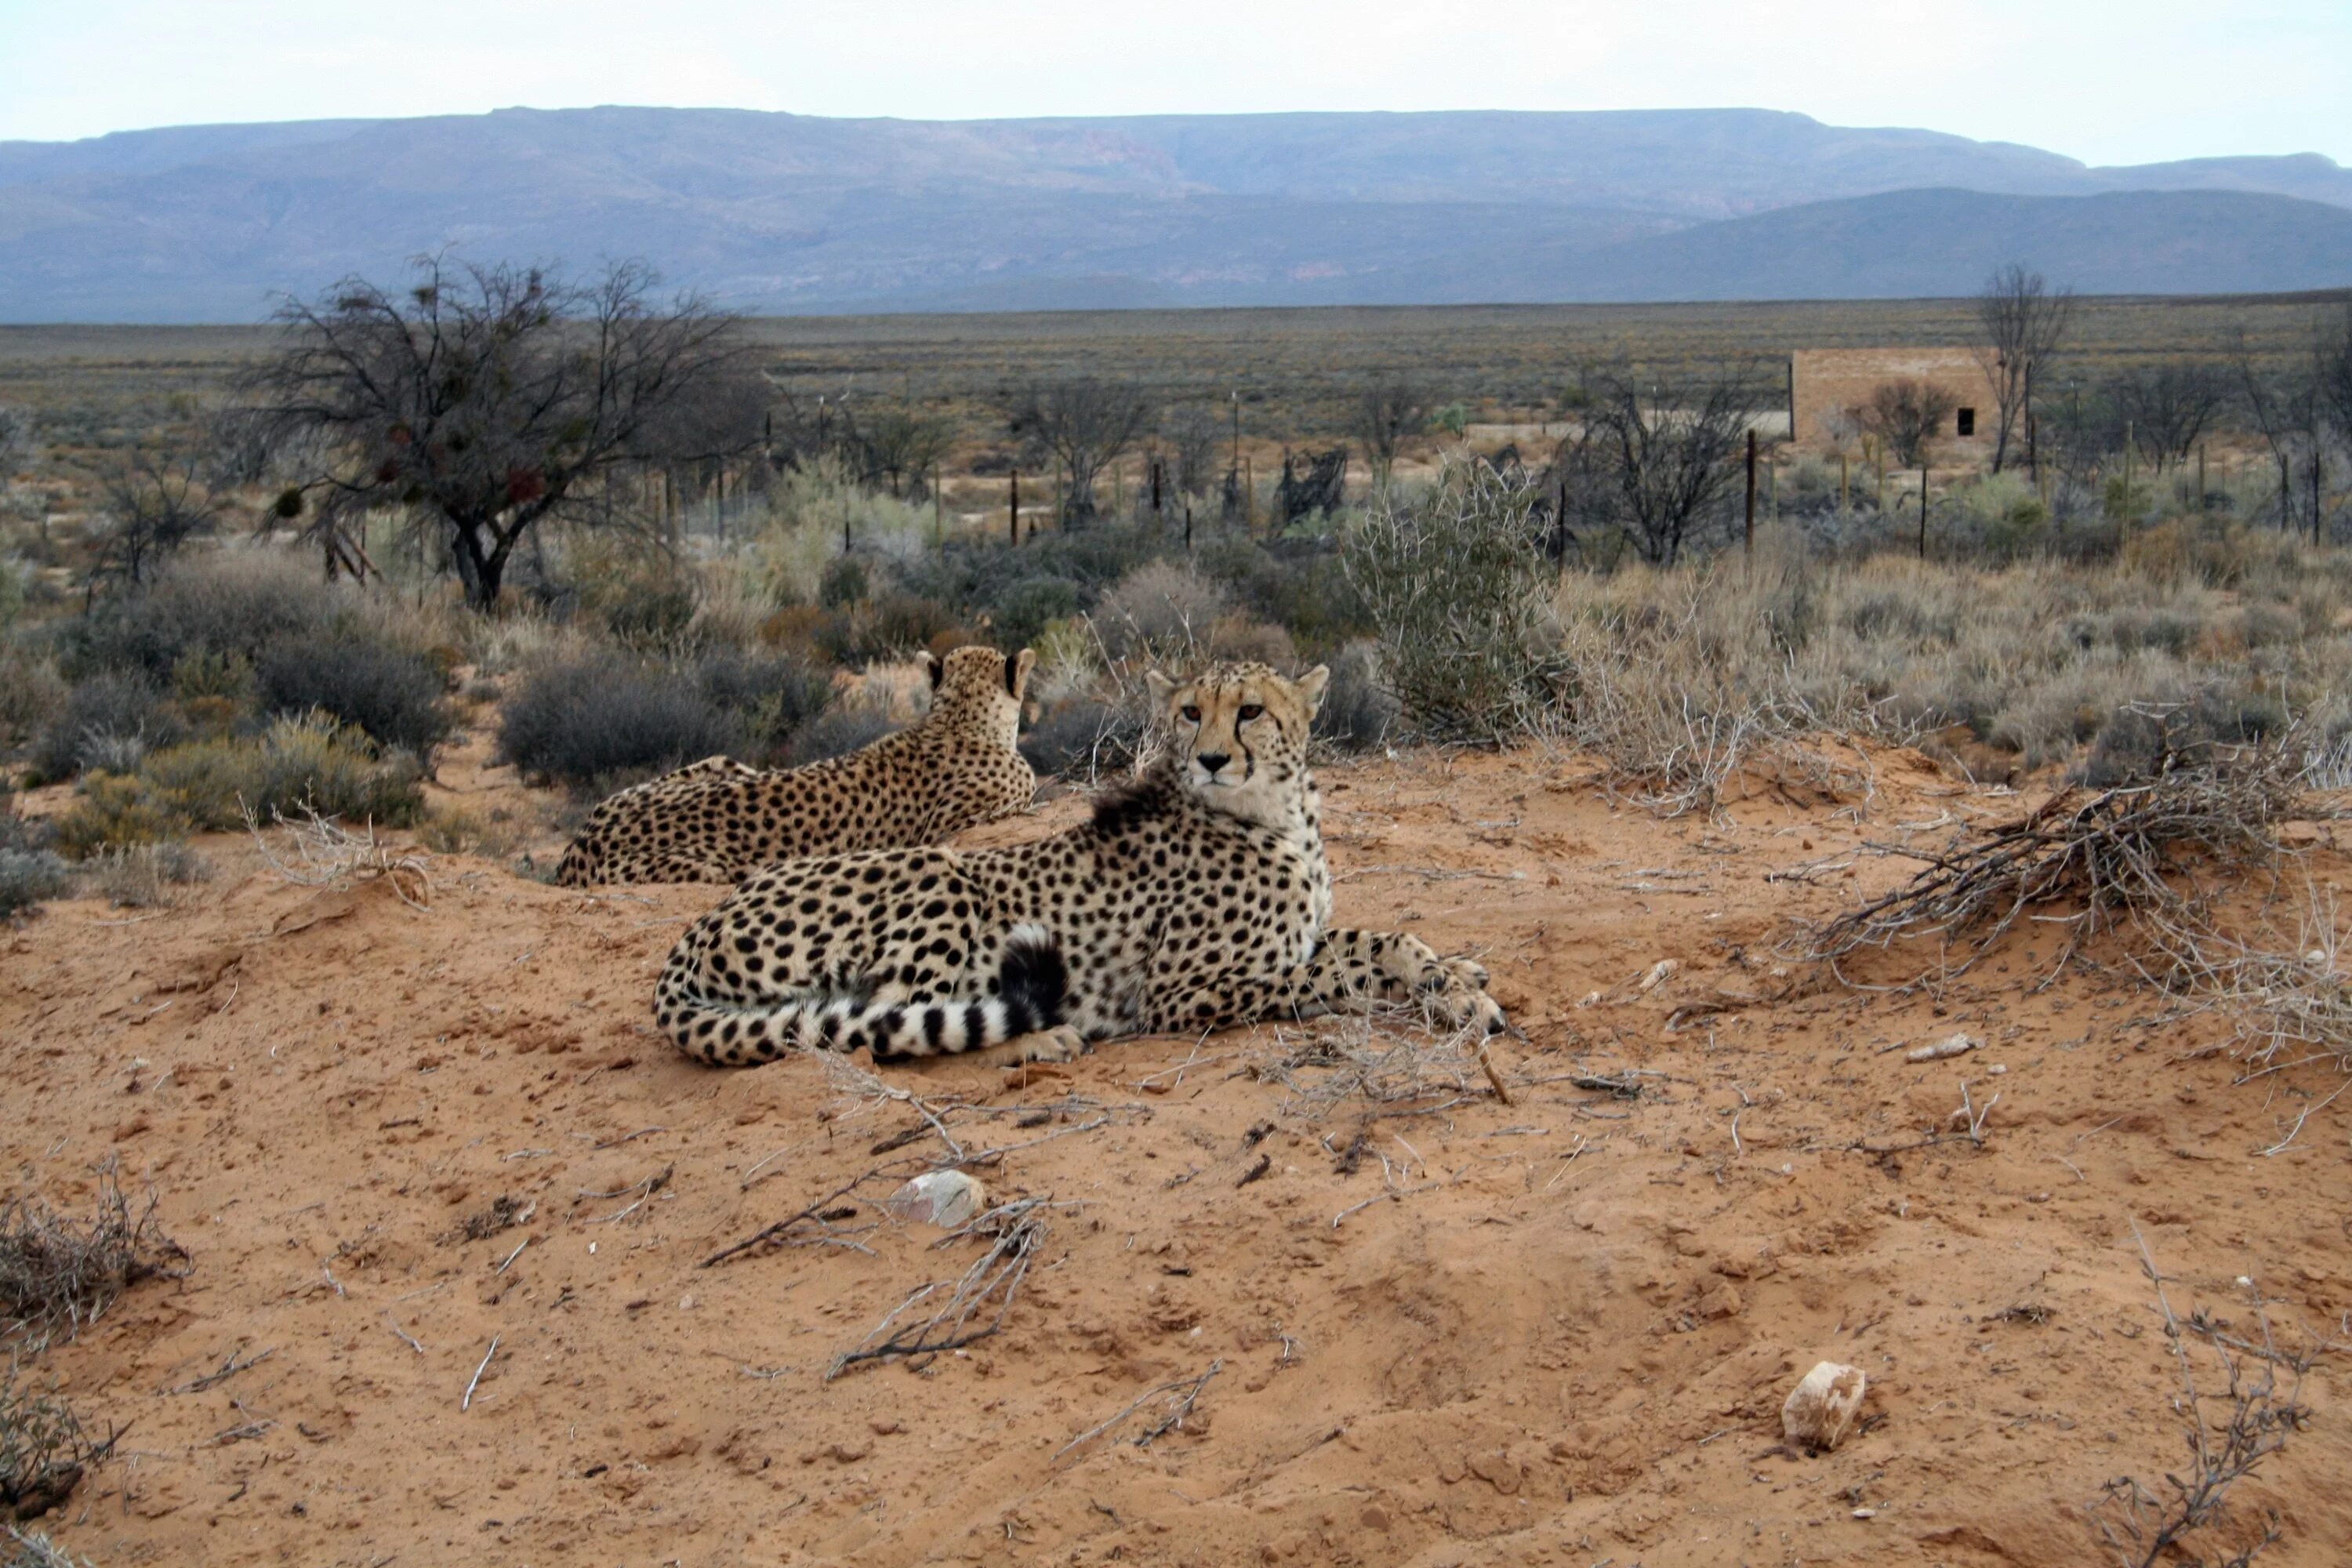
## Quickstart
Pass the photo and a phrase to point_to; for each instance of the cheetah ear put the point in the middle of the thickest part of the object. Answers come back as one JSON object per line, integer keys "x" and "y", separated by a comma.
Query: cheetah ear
{"x": 1016, "y": 671}
{"x": 932, "y": 666}
{"x": 1159, "y": 686}
{"x": 1311, "y": 687}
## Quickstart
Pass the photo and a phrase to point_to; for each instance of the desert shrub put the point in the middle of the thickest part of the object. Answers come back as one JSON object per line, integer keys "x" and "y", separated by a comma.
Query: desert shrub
{"x": 2143, "y": 738}
{"x": 836, "y": 734}
{"x": 648, "y": 610}
{"x": 1460, "y": 599}
{"x": 390, "y": 693}
{"x": 1086, "y": 740}
{"x": 1162, "y": 609}
{"x": 44, "y": 1450}
{"x": 114, "y": 810}
{"x": 305, "y": 763}
{"x": 1356, "y": 712}
{"x": 143, "y": 876}
{"x": 58, "y": 1273}
{"x": 843, "y": 582}
{"x": 108, "y": 720}
{"x": 1302, "y": 588}
{"x": 889, "y": 627}
{"x": 772, "y": 696}
{"x": 29, "y": 877}
{"x": 31, "y": 696}
{"x": 1028, "y": 608}
{"x": 227, "y": 603}
{"x": 590, "y": 719}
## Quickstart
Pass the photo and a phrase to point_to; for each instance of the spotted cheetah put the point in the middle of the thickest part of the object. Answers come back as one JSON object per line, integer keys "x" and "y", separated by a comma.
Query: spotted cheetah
{"x": 717, "y": 820}
{"x": 1195, "y": 898}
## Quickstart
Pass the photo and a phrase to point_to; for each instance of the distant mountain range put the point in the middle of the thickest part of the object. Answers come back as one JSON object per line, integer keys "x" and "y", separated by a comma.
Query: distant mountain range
{"x": 779, "y": 212}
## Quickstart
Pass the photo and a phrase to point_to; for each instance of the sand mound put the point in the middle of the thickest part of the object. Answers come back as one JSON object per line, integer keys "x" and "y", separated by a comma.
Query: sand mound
{"x": 1441, "y": 1329}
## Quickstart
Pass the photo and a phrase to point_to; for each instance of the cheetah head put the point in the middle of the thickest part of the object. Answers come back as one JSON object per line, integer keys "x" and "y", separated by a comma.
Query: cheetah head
{"x": 1238, "y": 736}
{"x": 979, "y": 687}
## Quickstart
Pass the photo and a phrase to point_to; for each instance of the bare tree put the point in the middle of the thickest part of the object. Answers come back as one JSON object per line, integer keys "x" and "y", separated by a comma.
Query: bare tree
{"x": 898, "y": 444}
{"x": 1908, "y": 416}
{"x": 1390, "y": 407}
{"x": 1193, "y": 432}
{"x": 2170, "y": 404}
{"x": 1654, "y": 459}
{"x": 1086, "y": 423}
{"x": 483, "y": 401}
{"x": 153, "y": 509}
{"x": 2022, "y": 322}
{"x": 2281, "y": 407}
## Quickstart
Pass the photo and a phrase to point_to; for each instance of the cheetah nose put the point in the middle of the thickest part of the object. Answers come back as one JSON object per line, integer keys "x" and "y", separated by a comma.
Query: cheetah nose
{"x": 1211, "y": 763}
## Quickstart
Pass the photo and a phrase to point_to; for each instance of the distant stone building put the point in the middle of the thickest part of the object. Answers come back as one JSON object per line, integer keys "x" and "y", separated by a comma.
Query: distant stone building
{"x": 1823, "y": 383}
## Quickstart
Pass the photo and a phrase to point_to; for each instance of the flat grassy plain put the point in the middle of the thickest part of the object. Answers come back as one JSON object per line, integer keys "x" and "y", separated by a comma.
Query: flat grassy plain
{"x": 108, "y": 386}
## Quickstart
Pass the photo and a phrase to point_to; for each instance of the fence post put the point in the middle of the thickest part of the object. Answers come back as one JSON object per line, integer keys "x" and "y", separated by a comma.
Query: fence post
{"x": 1749, "y": 543}
{"x": 1923, "y": 512}
{"x": 1014, "y": 509}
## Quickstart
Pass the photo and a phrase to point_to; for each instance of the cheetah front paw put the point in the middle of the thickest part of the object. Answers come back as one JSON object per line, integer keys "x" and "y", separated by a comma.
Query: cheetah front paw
{"x": 1459, "y": 997}
{"x": 1060, "y": 1044}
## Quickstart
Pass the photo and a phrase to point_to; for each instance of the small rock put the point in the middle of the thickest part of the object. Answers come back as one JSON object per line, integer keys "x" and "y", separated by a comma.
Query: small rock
{"x": 1956, "y": 1046}
{"x": 947, "y": 1198}
{"x": 1820, "y": 1410}
{"x": 1658, "y": 975}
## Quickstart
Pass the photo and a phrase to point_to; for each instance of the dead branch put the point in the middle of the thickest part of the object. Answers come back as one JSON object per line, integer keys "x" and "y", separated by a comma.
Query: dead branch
{"x": 1182, "y": 1392}
{"x": 1015, "y": 1231}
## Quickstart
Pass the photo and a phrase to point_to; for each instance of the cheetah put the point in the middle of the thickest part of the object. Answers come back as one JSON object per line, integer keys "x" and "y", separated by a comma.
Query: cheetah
{"x": 1195, "y": 898}
{"x": 717, "y": 820}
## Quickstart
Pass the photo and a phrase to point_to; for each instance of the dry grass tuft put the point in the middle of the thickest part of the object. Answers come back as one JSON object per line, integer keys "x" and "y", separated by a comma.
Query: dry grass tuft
{"x": 31, "y": 1549}
{"x": 44, "y": 1449}
{"x": 59, "y": 1274}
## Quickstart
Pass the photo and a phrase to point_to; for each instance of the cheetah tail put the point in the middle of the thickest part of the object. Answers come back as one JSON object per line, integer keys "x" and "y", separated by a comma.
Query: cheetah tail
{"x": 1032, "y": 985}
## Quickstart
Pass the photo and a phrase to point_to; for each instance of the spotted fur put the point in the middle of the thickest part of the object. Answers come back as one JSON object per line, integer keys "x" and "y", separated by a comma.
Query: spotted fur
{"x": 1195, "y": 898}
{"x": 717, "y": 820}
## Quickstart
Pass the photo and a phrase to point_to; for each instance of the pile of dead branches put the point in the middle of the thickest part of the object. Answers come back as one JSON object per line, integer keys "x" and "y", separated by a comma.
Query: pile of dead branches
{"x": 2111, "y": 859}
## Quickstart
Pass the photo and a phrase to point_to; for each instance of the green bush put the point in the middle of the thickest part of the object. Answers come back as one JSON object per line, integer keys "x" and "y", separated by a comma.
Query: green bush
{"x": 228, "y": 602}
{"x": 772, "y": 696}
{"x": 1460, "y": 599}
{"x": 391, "y": 694}
{"x": 296, "y": 764}
{"x": 108, "y": 720}
{"x": 588, "y": 721}
{"x": 28, "y": 877}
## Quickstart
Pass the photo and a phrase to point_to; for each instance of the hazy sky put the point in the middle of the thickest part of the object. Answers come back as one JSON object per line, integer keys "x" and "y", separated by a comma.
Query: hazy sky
{"x": 2097, "y": 80}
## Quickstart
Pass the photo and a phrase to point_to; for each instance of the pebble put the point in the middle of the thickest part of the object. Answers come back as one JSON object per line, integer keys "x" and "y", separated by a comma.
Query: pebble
{"x": 1820, "y": 1410}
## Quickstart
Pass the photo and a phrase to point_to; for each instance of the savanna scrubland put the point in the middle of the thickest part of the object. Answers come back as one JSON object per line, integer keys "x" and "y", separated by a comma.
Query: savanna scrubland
{"x": 356, "y": 1211}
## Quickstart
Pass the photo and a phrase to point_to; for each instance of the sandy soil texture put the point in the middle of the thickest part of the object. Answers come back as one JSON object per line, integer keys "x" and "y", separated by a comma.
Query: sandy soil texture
{"x": 1442, "y": 1330}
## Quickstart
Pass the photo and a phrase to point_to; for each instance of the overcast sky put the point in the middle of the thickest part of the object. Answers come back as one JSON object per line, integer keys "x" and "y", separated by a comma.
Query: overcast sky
{"x": 2096, "y": 79}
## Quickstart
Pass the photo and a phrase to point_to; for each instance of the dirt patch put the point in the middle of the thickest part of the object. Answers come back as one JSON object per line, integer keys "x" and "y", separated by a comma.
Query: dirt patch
{"x": 437, "y": 1166}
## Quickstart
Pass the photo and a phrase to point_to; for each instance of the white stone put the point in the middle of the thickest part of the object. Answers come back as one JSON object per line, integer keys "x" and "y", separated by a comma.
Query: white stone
{"x": 947, "y": 1198}
{"x": 1958, "y": 1044}
{"x": 1820, "y": 1410}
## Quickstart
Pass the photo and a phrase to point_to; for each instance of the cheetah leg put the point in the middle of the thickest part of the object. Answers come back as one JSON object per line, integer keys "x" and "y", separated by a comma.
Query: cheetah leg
{"x": 1353, "y": 969}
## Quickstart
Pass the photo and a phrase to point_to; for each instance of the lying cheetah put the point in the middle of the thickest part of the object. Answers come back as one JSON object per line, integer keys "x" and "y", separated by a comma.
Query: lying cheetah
{"x": 718, "y": 819}
{"x": 1196, "y": 897}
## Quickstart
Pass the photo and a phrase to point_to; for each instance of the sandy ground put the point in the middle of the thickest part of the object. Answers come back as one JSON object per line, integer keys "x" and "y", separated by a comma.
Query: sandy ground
{"x": 1565, "y": 1339}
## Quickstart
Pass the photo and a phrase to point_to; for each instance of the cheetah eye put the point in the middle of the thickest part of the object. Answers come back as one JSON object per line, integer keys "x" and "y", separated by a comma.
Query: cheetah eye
{"x": 1191, "y": 714}
{"x": 1251, "y": 711}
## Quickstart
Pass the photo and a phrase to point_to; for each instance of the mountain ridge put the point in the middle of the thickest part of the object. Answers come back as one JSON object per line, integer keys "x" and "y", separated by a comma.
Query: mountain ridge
{"x": 791, "y": 213}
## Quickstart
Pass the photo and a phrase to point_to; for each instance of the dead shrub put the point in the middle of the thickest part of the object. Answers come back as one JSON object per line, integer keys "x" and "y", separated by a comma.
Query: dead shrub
{"x": 59, "y": 1274}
